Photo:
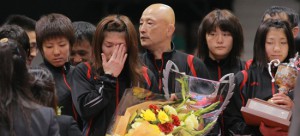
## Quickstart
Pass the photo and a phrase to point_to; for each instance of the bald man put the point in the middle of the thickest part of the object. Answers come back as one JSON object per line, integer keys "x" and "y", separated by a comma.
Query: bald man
{"x": 157, "y": 25}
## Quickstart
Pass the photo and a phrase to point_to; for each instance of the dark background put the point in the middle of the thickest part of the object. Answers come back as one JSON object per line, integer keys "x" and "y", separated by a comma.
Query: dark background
{"x": 187, "y": 12}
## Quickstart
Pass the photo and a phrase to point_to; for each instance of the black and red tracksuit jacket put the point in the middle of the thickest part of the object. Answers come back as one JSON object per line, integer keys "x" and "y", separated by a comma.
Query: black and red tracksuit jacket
{"x": 96, "y": 97}
{"x": 180, "y": 59}
{"x": 62, "y": 77}
{"x": 217, "y": 69}
{"x": 258, "y": 85}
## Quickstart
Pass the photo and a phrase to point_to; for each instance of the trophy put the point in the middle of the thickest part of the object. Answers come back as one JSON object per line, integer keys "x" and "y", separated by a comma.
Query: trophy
{"x": 285, "y": 76}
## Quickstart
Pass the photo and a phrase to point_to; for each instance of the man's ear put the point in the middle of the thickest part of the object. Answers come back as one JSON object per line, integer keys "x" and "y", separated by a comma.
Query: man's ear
{"x": 295, "y": 31}
{"x": 171, "y": 30}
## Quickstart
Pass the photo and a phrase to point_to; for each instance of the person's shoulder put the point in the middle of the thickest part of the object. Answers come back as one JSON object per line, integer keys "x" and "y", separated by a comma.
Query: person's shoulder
{"x": 144, "y": 55}
{"x": 149, "y": 72}
{"x": 42, "y": 65}
{"x": 83, "y": 69}
{"x": 72, "y": 67}
{"x": 42, "y": 117}
{"x": 180, "y": 53}
{"x": 42, "y": 110}
{"x": 185, "y": 55}
{"x": 65, "y": 119}
{"x": 83, "y": 66}
{"x": 68, "y": 125}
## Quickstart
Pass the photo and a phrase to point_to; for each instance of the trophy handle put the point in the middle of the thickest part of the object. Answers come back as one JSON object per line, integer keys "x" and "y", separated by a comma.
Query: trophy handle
{"x": 296, "y": 60}
{"x": 269, "y": 67}
{"x": 165, "y": 79}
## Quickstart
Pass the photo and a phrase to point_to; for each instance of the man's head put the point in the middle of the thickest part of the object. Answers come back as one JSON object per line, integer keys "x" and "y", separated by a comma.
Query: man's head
{"x": 82, "y": 48}
{"x": 28, "y": 25}
{"x": 283, "y": 13}
{"x": 157, "y": 25}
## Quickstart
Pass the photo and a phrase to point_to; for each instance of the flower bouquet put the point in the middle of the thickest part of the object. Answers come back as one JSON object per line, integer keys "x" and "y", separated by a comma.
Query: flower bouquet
{"x": 199, "y": 103}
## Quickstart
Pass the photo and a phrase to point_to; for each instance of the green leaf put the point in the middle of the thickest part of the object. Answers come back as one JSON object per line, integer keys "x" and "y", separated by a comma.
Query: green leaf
{"x": 207, "y": 109}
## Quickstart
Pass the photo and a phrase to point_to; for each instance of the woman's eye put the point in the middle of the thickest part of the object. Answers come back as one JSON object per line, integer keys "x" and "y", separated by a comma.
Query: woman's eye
{"x": 283, "y": 43}
{"x": 48, "y": 47}
{"x": 211, "y": 34}
{"x": 108, "y": 45}
{"x": 227, "y": 34}
{"x": 269, "y": 42}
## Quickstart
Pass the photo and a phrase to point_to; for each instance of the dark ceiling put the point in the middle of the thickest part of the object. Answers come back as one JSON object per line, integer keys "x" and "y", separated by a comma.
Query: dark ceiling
{"x": 94, "y": 10}
{"x": 186, "y": 11}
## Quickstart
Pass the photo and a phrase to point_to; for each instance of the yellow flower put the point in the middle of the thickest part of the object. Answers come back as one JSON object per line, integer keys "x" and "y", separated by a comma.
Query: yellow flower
{"x": 148, "y": 115}
{"x": 163, "y": 117}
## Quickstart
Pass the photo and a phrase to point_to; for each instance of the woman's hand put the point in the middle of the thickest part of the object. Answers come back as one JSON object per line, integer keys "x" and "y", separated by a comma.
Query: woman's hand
{"x": 282, "y": 100}
{"x": 173, "y": 97}
{"x": 116, "y": 62}
{"x": 271, "y": 131}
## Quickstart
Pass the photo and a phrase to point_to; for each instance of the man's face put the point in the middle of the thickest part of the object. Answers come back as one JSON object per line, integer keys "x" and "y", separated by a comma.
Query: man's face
{"x": 33, "y": 47}
{"x": 56, "y": 51}
{"x": 81, "y": 52}
{"x": 152, "y": 28}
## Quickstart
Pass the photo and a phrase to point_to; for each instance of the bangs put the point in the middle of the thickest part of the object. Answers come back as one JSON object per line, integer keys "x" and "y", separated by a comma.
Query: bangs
{"x": 223, "y": 20}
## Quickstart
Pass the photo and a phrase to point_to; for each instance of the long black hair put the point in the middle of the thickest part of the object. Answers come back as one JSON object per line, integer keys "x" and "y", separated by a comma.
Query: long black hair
{"x": 226, "y": 21}
{"x": 259, "y": 49}
{"x": 15, "y": 94}
{"x": 17, "y": 33}
{"x": 43, "y": 87}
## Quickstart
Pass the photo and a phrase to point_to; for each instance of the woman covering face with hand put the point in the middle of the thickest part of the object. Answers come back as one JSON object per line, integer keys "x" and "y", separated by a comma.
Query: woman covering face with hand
{"x": 273, "y": 40}
{"x": 99, "y": 86}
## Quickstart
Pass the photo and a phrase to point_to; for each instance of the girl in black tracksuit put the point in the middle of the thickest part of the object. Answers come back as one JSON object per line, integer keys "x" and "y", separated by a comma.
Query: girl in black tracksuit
{"x": 99, "y": 86}
{"x": 220, "y": 46}
{"x": 55, "y": 36}
{"x": 258, "y": 81}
